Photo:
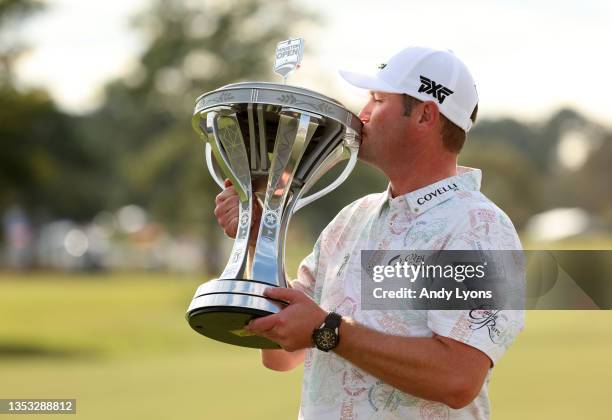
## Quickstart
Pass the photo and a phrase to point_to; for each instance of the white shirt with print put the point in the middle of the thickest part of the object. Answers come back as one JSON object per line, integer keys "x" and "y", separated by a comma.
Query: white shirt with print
{"x": 450, "y": 214}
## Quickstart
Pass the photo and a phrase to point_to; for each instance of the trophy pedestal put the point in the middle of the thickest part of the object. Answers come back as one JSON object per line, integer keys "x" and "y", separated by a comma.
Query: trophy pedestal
{"x": 221, "y": 309}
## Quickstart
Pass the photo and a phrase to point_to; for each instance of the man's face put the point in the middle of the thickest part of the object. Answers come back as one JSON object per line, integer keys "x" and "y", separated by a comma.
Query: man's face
{"x": 385, "y": 127}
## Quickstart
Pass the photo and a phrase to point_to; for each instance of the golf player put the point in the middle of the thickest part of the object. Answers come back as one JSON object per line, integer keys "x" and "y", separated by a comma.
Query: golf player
{"x": 396, "y": 364}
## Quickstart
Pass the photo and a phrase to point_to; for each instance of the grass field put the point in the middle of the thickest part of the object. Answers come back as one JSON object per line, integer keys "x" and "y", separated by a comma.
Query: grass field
{"x": 120, "y": 345}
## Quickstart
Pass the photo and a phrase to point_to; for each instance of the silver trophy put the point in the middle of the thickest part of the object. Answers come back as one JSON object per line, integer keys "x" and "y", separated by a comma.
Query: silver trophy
{"x": 274, "y": 142}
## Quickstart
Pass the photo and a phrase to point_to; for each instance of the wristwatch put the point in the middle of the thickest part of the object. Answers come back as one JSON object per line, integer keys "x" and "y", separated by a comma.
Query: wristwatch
{"x": 327, "y": 336}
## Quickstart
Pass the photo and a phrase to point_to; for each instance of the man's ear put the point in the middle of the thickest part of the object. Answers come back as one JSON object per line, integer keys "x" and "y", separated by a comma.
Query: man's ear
{"x": 429, "y": 115}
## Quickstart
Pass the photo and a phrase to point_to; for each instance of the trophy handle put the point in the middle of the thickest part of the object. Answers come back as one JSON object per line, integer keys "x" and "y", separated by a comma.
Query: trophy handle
{"x": 327, "y": 164}
{"x": 212, "y": 168}
{"x": 346, "y": 151}
{"x": 212, "y": 130}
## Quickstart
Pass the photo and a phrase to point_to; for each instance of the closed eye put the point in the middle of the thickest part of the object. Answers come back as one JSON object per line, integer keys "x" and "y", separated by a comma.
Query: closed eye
{"x": 376, "y": 97}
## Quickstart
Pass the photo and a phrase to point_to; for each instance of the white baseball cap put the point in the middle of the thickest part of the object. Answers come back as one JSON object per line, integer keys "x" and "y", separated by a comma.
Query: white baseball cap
{"x": 428, "y": 75}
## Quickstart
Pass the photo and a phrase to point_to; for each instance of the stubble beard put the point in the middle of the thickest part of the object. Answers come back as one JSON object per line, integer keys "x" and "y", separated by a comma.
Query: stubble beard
{"x": 367, "y": 152}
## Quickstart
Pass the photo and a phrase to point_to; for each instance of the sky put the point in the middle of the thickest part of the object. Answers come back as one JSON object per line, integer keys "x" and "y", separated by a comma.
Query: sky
{"x": 529, "y": 59}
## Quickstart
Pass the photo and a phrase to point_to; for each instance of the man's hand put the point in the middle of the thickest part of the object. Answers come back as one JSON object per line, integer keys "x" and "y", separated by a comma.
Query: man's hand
{"x": 292, "y": 327}
{"x": 226, "y": 212}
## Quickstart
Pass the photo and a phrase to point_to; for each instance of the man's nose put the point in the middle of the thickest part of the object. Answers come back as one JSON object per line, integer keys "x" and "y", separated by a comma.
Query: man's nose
{"x": 364, "y": 115}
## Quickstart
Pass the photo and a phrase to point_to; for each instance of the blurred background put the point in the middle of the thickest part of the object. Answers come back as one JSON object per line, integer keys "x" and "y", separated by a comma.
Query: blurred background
{"x": 106, "y": 224}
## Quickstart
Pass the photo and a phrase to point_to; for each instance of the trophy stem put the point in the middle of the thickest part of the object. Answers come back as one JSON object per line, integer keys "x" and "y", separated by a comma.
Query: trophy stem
{"x": 289, "y": 146}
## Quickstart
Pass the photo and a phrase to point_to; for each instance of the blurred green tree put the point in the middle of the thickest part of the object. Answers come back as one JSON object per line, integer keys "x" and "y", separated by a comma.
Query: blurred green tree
{"x": 522, "y": 172}
{"x": 509, "y": 179}
{"x": 592, "y": 183}
{"x": 42, "y": 160}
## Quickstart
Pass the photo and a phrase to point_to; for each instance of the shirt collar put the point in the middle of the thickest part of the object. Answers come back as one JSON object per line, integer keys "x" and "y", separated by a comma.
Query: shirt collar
{"x": 423, "y": 199}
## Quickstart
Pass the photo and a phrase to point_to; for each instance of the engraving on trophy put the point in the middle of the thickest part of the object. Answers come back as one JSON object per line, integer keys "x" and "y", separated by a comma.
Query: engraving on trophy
{"x": 290, "y": 99}
{"x": 244, "y": 220}
{"x": 270, "y": 224}
{"x": 223, "y": 97}
{"x": 270, "y": 219}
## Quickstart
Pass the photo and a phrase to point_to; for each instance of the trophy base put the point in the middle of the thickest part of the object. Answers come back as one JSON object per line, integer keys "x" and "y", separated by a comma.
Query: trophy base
{"x": 221, "y": 309}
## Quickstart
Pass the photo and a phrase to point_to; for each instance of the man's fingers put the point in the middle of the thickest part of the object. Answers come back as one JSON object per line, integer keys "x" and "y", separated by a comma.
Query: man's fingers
{"x": 228, "y": 192}
{"x": 225, "y": 194}
{"x": 229, "y": 206}
{"x": 225, "y": 206}
{"x": 263, "y": 324}
{"x": 231, "y": 228}
{"x": 283, "y": 293}
{"x": 227, "y": 182}
{"x": 232, "y": 213}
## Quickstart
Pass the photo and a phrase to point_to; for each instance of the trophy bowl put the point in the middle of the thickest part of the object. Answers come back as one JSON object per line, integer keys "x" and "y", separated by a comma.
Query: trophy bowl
{"x": 274, "y": 142}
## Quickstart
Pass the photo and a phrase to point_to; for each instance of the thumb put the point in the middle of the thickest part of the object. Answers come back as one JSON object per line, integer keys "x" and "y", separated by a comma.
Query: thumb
{"x": 227, "y": 183}
{"x": 283, "y": 293}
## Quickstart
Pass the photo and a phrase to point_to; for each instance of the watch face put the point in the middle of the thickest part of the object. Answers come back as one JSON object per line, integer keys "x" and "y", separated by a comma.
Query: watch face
{"x": 326, "y": 339}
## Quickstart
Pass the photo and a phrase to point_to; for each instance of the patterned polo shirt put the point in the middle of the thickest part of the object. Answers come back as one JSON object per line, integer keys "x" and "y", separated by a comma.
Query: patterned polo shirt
{"x": 451, "y": 214}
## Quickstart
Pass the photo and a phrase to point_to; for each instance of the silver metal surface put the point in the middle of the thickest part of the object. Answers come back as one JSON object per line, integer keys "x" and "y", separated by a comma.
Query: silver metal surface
{"x": 212, "y": 167}
{"x": 263, "y": 147}
{"x": 259, "y": 303}
{"x": 235, "y": 290}
{"x": 245, "y": 287}
{"x": 226, "y": 130}
{"x": 274, "y": 143}
{"x": 290, "y": 144}
{"x": 349, "y": 150}
{"x": 278, "y": 95}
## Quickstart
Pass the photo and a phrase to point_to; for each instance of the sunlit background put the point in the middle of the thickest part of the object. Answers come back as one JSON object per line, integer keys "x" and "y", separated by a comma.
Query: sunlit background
{"x": 106, "y": 223}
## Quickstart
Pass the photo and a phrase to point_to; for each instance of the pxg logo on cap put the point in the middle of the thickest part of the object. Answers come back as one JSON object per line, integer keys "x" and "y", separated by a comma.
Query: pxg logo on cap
{"x": 437, "y": 90}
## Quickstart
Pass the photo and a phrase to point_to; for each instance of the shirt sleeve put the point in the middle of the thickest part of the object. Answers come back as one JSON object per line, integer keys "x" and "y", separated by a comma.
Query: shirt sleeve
{"x": 307, "y": 272}
{"x": 491, "y": 331}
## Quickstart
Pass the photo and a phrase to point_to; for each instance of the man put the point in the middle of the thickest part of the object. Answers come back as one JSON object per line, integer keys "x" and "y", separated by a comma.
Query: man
{"x": 396, "y": 364}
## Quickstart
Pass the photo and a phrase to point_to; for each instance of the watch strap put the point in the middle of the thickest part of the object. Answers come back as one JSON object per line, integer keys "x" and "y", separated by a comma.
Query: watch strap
{"x": 332, "y": 320}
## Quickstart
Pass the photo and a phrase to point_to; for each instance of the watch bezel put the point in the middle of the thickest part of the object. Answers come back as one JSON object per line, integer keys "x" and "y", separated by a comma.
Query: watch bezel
{"x": 318, "y": 339}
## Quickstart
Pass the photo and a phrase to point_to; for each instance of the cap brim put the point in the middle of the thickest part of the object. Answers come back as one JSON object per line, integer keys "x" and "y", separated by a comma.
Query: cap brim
{"x": 365, "y": 81}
